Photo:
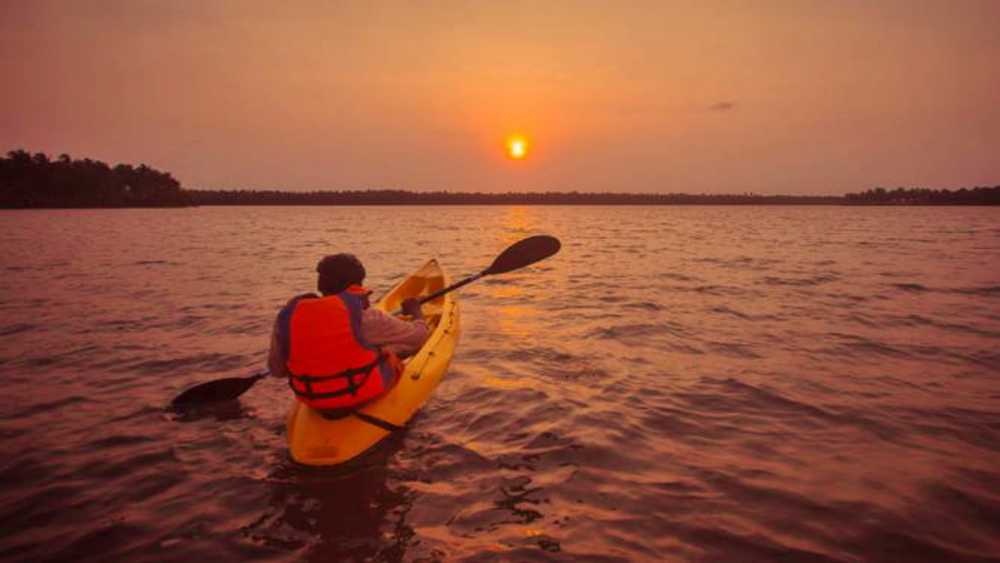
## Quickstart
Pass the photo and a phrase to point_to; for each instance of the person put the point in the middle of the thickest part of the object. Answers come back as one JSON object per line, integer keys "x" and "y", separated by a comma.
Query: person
{"x": 337, "y": 352}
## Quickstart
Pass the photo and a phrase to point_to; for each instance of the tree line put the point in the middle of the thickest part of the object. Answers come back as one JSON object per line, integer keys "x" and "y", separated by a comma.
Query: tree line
{"x": 34, "y": 180}
{"x": 403, "y": 197}
{"x": 876, "y": 196}
{"x": 925, "y": 196}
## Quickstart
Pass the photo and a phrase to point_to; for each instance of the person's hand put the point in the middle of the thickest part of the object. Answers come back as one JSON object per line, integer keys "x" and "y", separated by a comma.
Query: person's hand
{"x": 411, "y": 307}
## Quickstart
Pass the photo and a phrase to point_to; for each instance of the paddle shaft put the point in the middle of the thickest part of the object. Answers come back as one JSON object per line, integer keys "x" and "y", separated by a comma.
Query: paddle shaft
{"x": 451, "y": 288}
{"x": 444, "y": 290}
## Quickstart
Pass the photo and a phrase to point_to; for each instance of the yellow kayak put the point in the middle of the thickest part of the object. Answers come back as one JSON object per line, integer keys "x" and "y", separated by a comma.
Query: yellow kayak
{"x": 315, "y": 440}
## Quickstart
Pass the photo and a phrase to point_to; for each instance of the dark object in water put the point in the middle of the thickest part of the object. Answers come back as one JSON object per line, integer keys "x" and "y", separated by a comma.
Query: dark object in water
{"x": 225, "y": 389}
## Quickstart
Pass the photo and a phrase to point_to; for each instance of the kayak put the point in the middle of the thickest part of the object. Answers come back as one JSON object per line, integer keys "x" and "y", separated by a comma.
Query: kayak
{"x": 316, "y": 440}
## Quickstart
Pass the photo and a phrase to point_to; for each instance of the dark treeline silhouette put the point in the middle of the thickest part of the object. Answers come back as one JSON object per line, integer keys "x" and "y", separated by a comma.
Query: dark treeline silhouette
{"x": 402, "y": 197}
{"x": 28, "y": 180}
{"x": 925, "y": 196}
{"x": 877, "y": 196}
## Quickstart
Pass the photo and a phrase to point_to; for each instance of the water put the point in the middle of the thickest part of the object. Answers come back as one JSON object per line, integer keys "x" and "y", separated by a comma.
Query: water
{"x": 679, "y": 383}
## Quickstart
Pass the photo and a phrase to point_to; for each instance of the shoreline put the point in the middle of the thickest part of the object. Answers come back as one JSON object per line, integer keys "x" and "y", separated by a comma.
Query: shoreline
{"x": 500, "y": 204}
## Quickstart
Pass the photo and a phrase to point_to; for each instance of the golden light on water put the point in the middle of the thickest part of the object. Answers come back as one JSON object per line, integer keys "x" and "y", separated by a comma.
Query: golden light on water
{"x": 517, "y": 147}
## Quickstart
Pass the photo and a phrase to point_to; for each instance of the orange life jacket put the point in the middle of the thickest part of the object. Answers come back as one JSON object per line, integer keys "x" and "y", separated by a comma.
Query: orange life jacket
{"x": 330, "y": 365}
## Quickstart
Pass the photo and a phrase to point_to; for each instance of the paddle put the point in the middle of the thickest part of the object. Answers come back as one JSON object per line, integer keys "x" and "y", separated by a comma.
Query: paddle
{"x": 225, "y": 389}
{"x": 518, "y": 255}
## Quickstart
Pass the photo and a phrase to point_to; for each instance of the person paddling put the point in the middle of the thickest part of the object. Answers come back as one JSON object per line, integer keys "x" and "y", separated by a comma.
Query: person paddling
{"x": 332, "y": 278}
{"x": 336, "y": 351}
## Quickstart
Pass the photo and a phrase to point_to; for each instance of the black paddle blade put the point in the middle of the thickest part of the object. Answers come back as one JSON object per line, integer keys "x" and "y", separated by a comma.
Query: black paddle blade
{"x": 523, "y": 253}
{"x": 225, "y": 389}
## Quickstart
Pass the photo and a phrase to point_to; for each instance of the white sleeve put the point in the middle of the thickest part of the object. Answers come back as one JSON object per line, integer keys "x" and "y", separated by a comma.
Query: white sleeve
{"x": 392, "y": 333}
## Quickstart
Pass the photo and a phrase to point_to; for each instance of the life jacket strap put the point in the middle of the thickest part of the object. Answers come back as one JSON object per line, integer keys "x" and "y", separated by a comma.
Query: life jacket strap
{"x": 383, "y": 424}
{"x": 337, "y": 414}
{"x": 346, "y": 373}
{"x": 349, "y": 374}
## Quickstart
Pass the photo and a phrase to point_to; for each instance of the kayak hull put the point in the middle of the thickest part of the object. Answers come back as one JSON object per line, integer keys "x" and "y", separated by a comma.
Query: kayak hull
{"x": 315, "y": 440}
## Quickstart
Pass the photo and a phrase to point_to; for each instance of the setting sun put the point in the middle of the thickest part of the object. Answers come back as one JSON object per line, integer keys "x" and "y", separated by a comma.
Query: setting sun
{"x": 517, "y": 148}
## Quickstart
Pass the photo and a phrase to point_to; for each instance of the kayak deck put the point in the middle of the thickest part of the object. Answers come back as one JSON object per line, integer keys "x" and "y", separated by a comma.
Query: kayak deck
{"x": 315, "y": 440}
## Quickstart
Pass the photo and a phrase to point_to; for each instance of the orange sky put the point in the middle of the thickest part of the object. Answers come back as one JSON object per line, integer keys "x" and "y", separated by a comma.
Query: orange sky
{"x": 771, "y": 96}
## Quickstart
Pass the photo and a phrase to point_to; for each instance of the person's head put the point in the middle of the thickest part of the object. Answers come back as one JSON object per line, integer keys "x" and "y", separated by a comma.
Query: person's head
{"x": 337, "y": 272}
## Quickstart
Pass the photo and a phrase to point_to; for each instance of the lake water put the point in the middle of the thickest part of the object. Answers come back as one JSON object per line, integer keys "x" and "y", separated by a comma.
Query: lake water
{"x": 679, "y": 383}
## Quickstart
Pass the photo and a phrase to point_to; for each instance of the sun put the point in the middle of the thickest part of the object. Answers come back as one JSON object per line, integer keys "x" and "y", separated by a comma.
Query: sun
{"x": 517, "y": 147}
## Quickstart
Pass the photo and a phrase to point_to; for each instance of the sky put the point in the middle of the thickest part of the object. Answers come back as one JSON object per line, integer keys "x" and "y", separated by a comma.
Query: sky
{"x": 763, "y": 96}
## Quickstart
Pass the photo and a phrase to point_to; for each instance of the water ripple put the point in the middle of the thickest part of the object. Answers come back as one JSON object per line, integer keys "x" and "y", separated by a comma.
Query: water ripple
{"x": 804, "y": 384}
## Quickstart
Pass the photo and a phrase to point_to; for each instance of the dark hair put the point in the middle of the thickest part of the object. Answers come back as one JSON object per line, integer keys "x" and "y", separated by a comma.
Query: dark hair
{"x": 337, "y": 272}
